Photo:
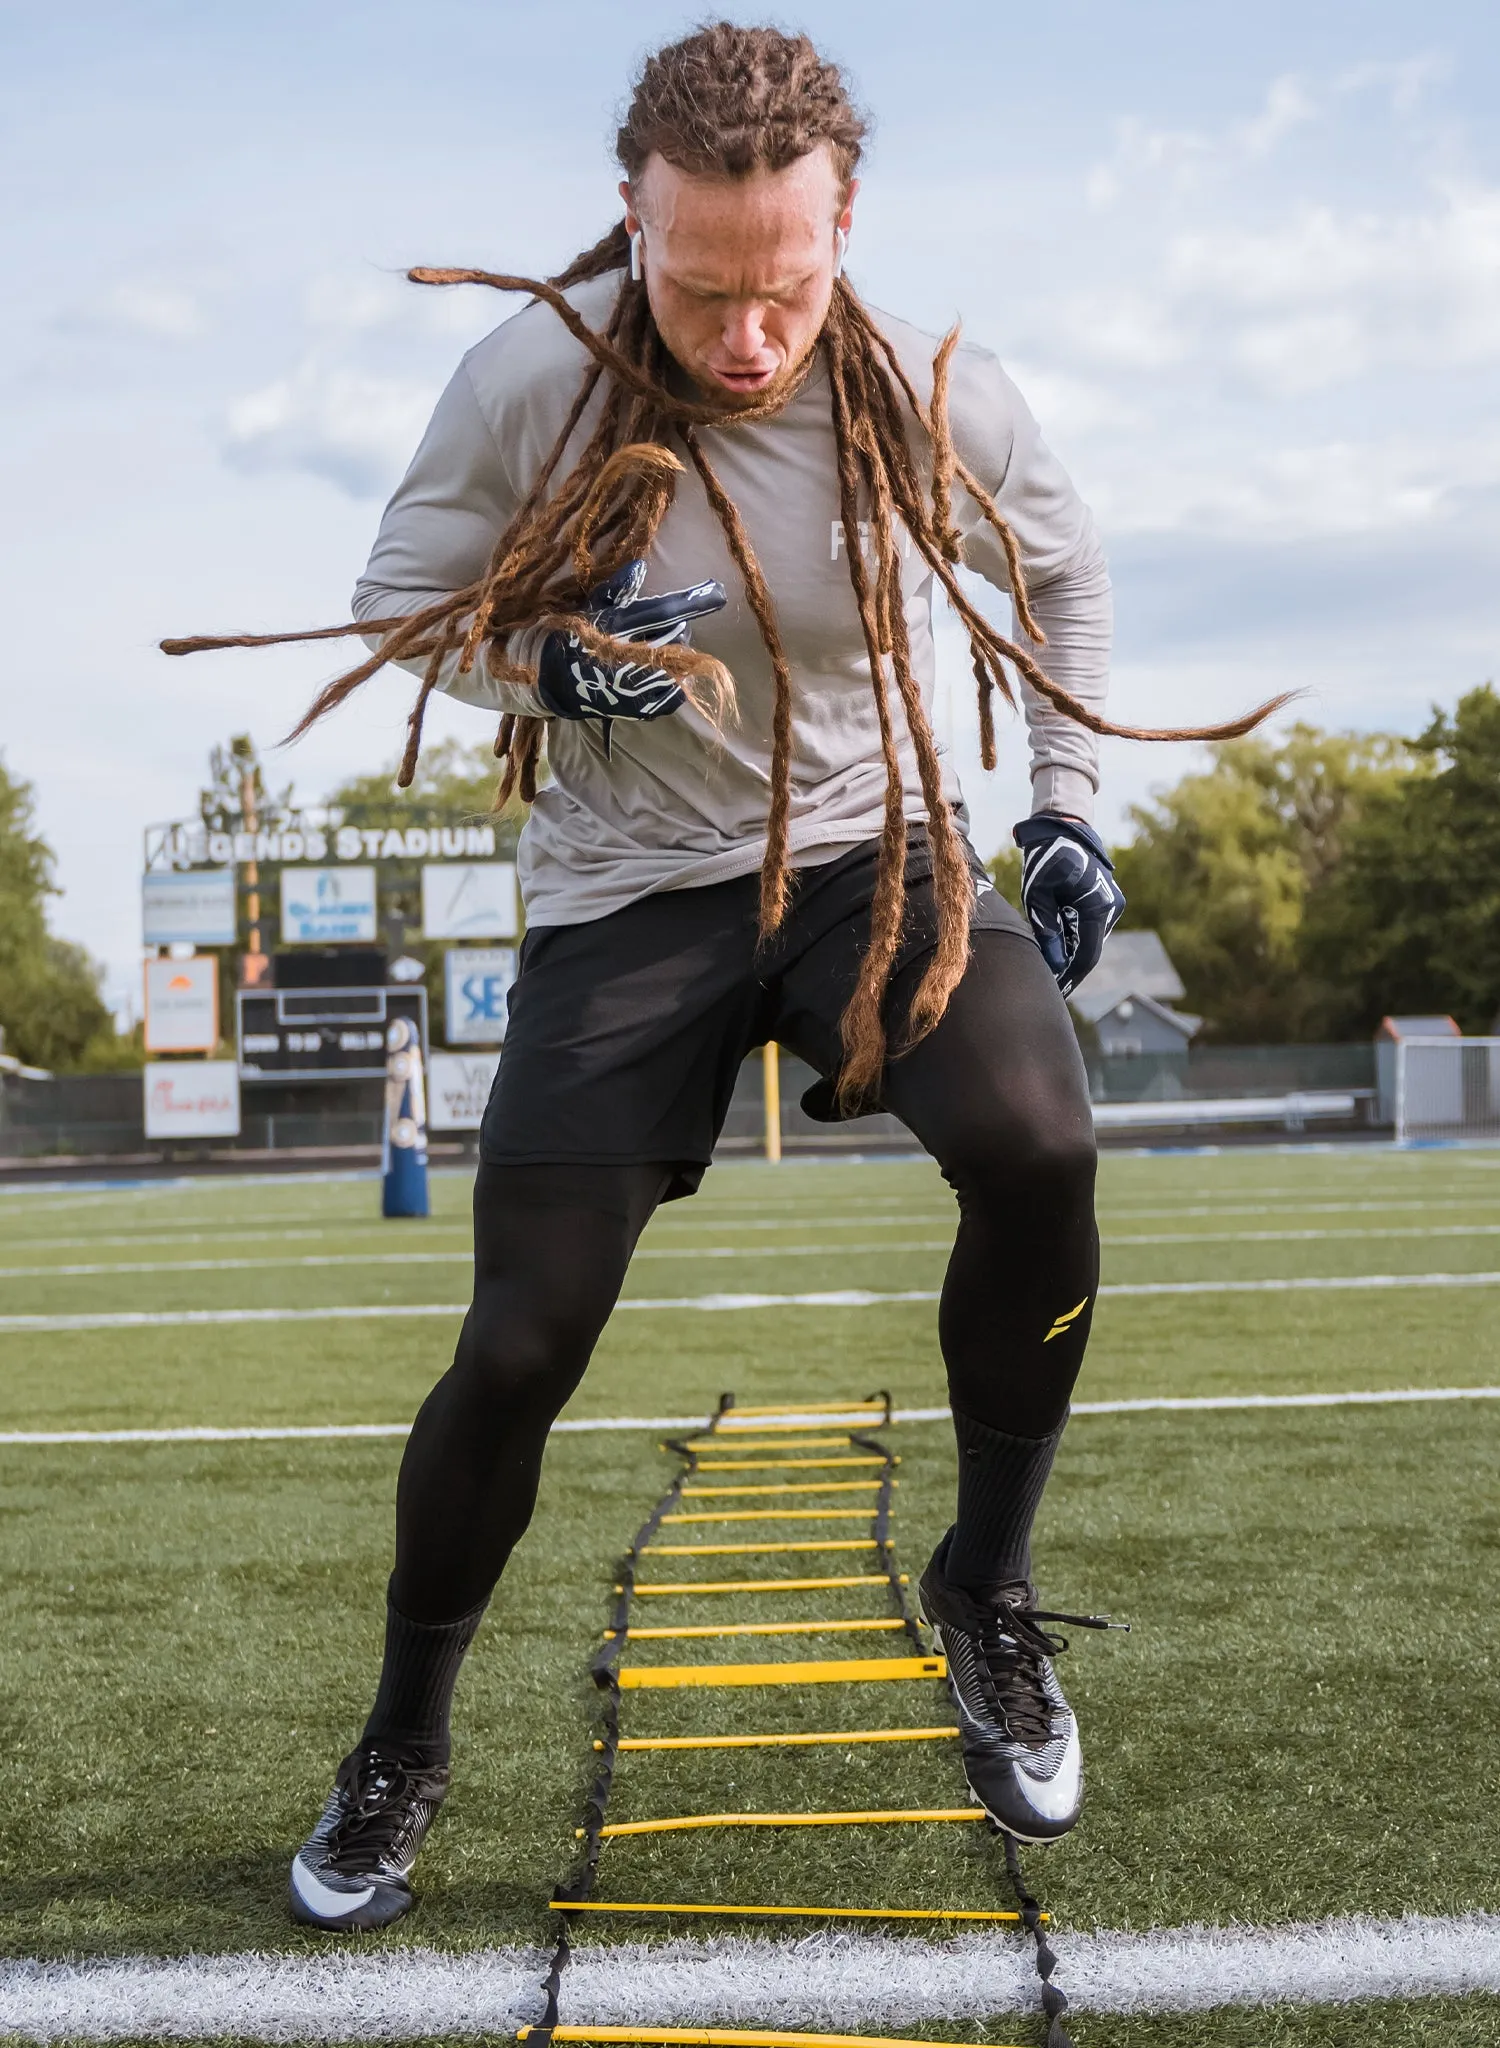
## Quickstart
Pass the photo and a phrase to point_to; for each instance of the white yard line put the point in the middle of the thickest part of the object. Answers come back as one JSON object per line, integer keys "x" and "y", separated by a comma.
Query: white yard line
{"x": 465, "y": 1255}
{"x": 1382, "y": 1231}
{"x": 822, "y": 1981}
{"x": 1124, "y": 1212}
{"x": 584, "y": 1425}
{"x": 840, "y": 1297}
{"x": 459, "y": 1258}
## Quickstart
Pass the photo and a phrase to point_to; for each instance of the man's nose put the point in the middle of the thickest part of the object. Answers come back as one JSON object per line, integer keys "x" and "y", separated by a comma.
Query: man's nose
{"x": 745, "y": 331}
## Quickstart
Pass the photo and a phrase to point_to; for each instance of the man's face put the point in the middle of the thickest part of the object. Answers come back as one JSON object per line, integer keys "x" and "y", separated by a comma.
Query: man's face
{"x": 740, "y": 271}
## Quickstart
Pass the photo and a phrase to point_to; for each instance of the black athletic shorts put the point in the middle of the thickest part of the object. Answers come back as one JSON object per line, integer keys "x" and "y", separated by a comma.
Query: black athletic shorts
{"x": 626, "y": 1034}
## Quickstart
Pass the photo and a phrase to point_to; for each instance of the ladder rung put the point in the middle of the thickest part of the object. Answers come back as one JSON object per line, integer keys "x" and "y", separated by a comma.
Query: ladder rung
{"x": 782, "y": 1741}
{"x": 830, "y": 1671}
{"x": 731, "y": 1415}
{"x": 785, "y": 1486}
{"x": 684, "y": 1821}
{"x": 778, "y": 1515}
{"x": 758, "y": 1628}
{"x": 784, "y": 1464}
{"x": 772, "y": 1443}
{"x": 721, "y": 1436}
{"x": 762, "y": 1549}
{"x": 801, "y": 1912}
{"x": 760, "y": 1585}
{"x": 720, "y": 2037}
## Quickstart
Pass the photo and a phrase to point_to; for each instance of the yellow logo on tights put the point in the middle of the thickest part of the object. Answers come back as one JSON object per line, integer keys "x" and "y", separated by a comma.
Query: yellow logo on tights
{"x": 1063, "y": 1322}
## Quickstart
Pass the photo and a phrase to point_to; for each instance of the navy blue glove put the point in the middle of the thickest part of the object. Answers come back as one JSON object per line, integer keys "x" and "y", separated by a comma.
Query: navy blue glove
{"x": 1069, "y": 892}
{"x": 573, "y": 683}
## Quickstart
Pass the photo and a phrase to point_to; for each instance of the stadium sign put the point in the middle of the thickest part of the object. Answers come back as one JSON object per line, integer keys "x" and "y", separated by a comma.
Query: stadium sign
{"x": 314, "y": 837}
{"x": 469, "y": 900}
{"x": 459, "y": 1086}
{"x": 192, "y": 1099}
{"x": 322, "y": 1034}
{"x": 327, "y": 906}
{"x": 188, "y": 909}
{"x": 477, "y": 982}
{"x": 182, "y": 1004}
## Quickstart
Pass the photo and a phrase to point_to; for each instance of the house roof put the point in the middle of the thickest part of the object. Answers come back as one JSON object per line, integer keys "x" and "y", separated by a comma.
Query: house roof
{"x": 1135, "y": 964}
{"x": 1417, "y": 1027}
{"x": 1094, "y": 1006}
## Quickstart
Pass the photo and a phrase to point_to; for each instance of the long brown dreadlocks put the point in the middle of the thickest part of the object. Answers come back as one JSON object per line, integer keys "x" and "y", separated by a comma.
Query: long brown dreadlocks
{"x": 725, "y": 102}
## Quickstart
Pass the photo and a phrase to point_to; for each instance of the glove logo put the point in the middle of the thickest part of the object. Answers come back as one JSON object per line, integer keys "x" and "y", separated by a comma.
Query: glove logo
{"x": 577, "y": 685}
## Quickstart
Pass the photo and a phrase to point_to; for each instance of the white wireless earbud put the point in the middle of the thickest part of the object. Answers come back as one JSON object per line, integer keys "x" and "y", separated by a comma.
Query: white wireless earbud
{"x": 637, "y": 245}
{"x": 840, "y": 251}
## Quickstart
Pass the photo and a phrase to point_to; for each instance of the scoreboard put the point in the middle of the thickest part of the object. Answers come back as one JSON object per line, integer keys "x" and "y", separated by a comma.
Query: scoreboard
{"x": 322, "y": 1034}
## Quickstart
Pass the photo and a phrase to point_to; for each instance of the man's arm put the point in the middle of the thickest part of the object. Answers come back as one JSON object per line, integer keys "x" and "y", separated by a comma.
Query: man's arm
{"x": 1067, "y": 580}
{"x": 438, "y": 534}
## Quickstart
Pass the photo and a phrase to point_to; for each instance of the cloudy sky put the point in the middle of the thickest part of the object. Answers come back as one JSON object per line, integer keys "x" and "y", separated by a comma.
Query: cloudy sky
{"x": 1244, "y": 263}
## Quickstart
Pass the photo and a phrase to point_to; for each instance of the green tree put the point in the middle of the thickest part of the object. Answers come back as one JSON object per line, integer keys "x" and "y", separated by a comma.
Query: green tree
{"x": 51, "y": 1011}
{"x": 454, "y": 783}
{"x": 1411, "y": 919}
{"x": 1225, "y": 864}
{"x": 235, "y": 774}
{"x": 1005, "y": 872}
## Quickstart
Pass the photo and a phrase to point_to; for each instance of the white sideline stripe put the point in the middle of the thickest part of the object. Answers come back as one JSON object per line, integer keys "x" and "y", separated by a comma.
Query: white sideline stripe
{"x": 840, "y": 1297}
{"x": 1158, "y": 1404}
{"x": 465, "y": 1256}
{"x": 850, "y": 1979}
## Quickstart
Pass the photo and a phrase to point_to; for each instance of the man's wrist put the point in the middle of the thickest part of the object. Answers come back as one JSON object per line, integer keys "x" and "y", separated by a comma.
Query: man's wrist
{"x": 1059, "y": 786}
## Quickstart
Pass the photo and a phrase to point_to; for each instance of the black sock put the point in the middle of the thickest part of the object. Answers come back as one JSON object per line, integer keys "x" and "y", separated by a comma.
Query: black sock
{"x": 417, "y": 1680}
{"x": 1000, "y": 1484}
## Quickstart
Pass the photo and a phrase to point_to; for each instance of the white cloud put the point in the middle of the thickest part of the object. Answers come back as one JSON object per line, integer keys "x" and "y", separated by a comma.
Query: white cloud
{"x": 1317, "y": 491}
{"x": 1185, "y": 157}
{"x": 1073, "y": 405}
{"x": 1288, "y": 105}
{"x": 1304, "y": 353}
{"x": 1403, "y": 81}
{"x": 353, "y": 429}
{"x": 166, "y": 312}
{"x": 370, "y": 301}
{"x": 1333, "y": 293}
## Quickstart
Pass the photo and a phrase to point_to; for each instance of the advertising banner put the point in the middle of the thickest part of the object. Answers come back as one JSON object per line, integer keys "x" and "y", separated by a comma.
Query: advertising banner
{"x": 477, "y": 982}
{"x": 182, "y": 1004}
{"x": 327, "y": 906}
{"x": 188, "y": 909}
{"x": 315, "y": 1034}
{"x": 315, "y": 835}
{"x": 192, "y": 1099}
{"x": 470, "y": 900}
{"x": 458, "y": 1087}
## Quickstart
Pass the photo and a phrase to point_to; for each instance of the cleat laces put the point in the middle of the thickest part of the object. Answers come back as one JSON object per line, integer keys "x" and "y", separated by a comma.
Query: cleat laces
{"x": 1012, "y": 1648}
{"x": 378, "y": 1797}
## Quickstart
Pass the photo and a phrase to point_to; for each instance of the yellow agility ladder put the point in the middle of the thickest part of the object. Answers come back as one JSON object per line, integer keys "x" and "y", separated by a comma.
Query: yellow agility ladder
{"x": 913, "y": 1661}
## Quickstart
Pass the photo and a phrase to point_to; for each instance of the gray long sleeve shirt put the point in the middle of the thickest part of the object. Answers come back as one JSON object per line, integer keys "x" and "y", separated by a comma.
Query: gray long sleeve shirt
{"x": 677, "y": 804}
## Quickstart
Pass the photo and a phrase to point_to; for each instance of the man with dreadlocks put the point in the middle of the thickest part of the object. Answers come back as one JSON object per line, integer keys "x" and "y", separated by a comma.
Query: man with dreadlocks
{"x": 698, "y": 427}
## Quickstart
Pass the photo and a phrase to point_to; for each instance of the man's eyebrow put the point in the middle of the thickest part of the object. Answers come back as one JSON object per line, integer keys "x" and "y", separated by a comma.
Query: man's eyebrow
{"x": 712, "y": 288}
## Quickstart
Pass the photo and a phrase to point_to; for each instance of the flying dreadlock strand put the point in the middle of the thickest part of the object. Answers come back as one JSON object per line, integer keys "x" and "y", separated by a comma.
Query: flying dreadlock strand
{"x": 569, "y": 535}
{"x": 862, "y": 1027}
{"x": 773, "y": 874}
{"x": 859, "y": 376}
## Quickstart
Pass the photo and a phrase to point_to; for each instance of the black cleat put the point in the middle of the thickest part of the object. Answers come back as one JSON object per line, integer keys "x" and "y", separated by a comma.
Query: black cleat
{"x": 1018, "y": 1733}
{"x": 351, "y": 1873}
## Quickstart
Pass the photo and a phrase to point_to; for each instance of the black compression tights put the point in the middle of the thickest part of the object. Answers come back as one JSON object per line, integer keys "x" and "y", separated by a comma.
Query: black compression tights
{"x": 997, "y": 1094}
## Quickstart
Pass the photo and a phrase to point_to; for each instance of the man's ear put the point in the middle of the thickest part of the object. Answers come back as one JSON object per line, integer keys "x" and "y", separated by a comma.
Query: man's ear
{"x": 846, "y": 218}
{"x": 632, "y": 218}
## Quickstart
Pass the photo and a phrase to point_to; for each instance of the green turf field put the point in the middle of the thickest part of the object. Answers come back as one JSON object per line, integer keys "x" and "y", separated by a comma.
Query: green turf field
{"x": 1301, "y": 1724}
